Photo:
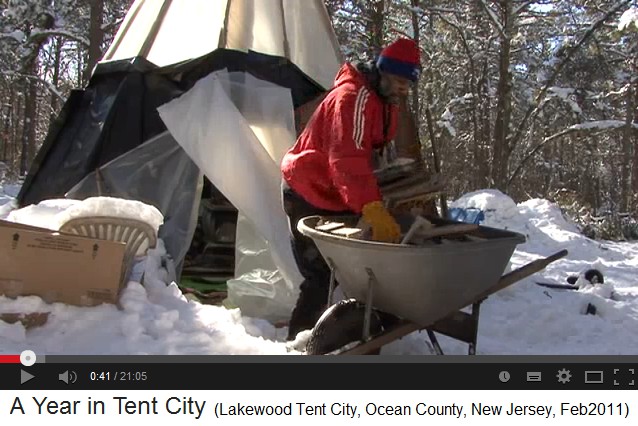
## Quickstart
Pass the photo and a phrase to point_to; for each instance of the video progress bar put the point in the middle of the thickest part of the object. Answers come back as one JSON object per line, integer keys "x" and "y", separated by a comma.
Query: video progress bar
{"x": 9, "y": 359}
{"x": 26, "y": 358}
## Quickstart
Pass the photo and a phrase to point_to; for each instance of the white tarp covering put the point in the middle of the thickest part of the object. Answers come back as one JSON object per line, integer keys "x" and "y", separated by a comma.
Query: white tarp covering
{"x": 170, "y": 31}
{"x": 236, "y": 128}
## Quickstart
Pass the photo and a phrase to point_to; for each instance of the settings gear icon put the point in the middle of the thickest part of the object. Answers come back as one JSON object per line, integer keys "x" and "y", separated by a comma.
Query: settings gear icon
{"x": 563, "y": 376}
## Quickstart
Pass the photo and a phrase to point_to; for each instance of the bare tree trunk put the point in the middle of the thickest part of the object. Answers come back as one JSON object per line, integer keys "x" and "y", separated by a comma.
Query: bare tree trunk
{"x": 30, "y": 117}
{"x": 375, "y": 24}
{"x": 435, "y": 148}
{"x": 6, "y": 130}
{"x": 504, "y": 100}
{"x": 15, "y": 138}
{"x": 415, "y": 88}
{"x": 30, "y": 68}
{"x": 55, "y": 80}
{"x": 96, "y": 36}
{"x": 561, "y": 160}
{"x": 615, "y": 179}
{"x": 634, "y": 138}
{"x": 550, "y": 155}
{"x": 485, "y": 126}
{"x": 625, "y": 164}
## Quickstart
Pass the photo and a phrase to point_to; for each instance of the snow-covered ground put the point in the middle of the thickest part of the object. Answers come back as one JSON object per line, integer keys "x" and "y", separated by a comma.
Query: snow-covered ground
{"x": 522, "y": 319}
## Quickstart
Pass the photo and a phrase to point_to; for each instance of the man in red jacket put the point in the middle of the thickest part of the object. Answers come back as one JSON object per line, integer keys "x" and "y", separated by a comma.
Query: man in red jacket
{"x": 329, "y": 170}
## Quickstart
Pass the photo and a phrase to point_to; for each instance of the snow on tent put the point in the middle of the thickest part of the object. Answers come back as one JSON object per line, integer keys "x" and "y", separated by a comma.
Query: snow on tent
{"x": 227, "y": 75}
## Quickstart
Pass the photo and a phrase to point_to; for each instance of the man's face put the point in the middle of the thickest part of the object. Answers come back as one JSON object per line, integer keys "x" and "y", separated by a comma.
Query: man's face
{"x": 393, "y": 87}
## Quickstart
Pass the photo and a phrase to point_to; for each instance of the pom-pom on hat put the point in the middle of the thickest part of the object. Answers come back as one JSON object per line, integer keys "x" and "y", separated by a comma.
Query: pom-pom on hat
{"x": 401, "y": 58}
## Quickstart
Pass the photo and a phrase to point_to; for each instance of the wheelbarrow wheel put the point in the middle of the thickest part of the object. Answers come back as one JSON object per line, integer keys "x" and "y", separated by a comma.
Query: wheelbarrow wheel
{"x": 341, "y": 324}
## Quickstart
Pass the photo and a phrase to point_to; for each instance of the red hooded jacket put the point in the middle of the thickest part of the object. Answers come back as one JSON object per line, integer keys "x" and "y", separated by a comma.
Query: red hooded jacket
{"x": 330, "y": 165}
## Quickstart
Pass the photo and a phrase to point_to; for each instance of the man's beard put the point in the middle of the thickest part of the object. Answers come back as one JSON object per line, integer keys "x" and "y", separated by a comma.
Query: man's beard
{"x": 387, "y": 96}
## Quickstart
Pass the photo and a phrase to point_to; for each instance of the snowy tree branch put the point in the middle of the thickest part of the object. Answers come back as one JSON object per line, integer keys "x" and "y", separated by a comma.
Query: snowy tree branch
{"x": 10, "y": 36}
{"x": 466, "y": 47}
{"x": 588, "y": 127}
{"x": 54, "y": 90}
{"x": 523, "y": 6}
{"x": 57, "y": 32}
{"x": 535, "y": 107}
{"x": 493, "y": 18}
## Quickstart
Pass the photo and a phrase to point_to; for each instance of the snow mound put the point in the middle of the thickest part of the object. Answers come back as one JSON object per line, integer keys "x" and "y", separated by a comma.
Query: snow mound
{"x": 10, "y": 189}
{"x": 541, "y": 221}
{"x": 498, "y": 207}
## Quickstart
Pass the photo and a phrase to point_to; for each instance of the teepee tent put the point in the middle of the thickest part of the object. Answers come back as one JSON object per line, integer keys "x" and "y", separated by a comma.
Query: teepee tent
{"x": 109, "y": 138}
{"x": 166, "y": 32}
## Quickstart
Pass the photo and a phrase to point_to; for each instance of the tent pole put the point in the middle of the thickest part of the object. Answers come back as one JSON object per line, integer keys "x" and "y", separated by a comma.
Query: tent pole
{"x": 223, "y": 35}
{"x": 124, "y": 28}
{"x": 146, "y": 47}
{"x": 285, "y": 31}
{"x": 99, "y": 180}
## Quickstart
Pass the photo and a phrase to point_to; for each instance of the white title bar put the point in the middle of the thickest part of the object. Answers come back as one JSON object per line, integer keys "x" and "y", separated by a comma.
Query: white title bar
{"x": 291, "y": 407}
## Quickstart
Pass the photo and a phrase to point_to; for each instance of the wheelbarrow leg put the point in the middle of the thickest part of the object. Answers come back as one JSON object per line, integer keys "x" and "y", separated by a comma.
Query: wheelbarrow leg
{"x": 435, "y": 342}
{"x": 476, "y": 310}
{"x": 372, "y": 281}
{"x": 460, "y": 326}
{"x": 333, "y": 280}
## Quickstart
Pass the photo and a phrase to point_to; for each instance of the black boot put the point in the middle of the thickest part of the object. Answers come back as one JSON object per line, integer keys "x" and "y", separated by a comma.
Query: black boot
{"x": 312, "y": 302}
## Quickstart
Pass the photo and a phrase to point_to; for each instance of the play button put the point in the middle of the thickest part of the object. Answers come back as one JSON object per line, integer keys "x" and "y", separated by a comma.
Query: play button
{"x": 25, "y": 377}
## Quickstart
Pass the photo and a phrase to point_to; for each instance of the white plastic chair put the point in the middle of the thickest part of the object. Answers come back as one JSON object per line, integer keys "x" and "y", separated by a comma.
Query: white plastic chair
{"x": 136, "y": 234}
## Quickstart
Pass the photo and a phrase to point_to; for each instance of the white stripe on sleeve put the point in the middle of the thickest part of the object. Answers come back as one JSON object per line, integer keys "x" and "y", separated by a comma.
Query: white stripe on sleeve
{"x": 359, "y": 117}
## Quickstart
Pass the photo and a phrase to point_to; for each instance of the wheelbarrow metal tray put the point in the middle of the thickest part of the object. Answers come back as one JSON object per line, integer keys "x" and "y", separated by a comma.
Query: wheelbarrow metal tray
{"x": 422, "y": 284}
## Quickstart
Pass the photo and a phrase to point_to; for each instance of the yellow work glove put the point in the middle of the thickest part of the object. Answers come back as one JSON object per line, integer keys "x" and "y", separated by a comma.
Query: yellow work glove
{"x": 384, "y": 227}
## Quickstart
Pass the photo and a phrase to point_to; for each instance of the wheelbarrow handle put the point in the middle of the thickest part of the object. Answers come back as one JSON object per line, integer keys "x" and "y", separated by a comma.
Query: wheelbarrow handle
{"x": 524, "y": 272}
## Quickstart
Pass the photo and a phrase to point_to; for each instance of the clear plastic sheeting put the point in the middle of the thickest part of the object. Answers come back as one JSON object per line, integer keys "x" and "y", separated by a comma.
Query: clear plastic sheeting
{"x": 158, "y": 173}
{"x": 237, "y": 129}
{"x": 260, "y": 290}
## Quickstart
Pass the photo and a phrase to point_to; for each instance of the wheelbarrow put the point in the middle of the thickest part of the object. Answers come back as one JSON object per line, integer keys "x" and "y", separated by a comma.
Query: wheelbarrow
{"x": 393, "y": 290}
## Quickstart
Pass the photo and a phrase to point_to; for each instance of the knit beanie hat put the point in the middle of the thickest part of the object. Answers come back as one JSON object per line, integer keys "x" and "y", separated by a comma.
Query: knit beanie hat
{"x": 401, "y": 58}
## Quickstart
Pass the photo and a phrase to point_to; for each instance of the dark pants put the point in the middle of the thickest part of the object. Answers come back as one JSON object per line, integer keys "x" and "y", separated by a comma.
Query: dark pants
{"x": 313, "y": 296}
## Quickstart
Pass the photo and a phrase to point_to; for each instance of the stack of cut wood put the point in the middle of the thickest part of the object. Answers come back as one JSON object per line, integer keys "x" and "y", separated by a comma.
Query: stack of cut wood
{"x": 421, "y": 232}
{"x": 340, "y": 228}
{"x": 414, "y": 190}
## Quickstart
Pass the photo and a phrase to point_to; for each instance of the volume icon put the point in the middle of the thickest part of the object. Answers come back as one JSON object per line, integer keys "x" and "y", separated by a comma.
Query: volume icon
{"x": 68, "y": 377}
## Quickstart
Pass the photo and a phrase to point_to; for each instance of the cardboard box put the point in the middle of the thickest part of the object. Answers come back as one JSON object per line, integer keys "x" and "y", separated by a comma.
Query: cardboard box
{"x": 59, "y": 267}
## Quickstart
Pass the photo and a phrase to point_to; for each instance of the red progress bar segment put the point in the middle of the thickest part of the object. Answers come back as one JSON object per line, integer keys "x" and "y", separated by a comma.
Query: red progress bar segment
{"x": 9, "y": 359}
